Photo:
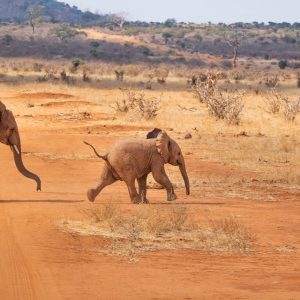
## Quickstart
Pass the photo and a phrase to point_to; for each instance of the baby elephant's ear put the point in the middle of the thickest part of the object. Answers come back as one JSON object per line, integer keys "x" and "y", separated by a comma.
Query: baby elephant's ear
{"x": 163, "y": 145}
{"x": 154, "y": 133}
{"x": 2, "y": 109}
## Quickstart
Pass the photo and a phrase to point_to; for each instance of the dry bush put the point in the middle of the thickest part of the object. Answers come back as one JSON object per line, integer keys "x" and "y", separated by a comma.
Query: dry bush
{"x": 298, "y": 80}
{"x": 49, "y": 76}
{"x": 156, "y": 223}
{"x": 161, "y": 75}
{"x": 119, "y": 75}
{"x": 64, "y": 77}
{"x": 37, "y": 67}
{"x": 150, "y": 74}
{"x": 291, "y": 109}
{"x": 148, "y": 108}
{"x": 133, "y": 70}
{"x": 159, "y": 222}
{"x": 102, "y": 213}
{"x": 272, "y": 82}
{"x": 231, "y": 235}
{"x": 226, "y": 106}
{"x": 273, "y": 101}
{"x": 138, "y": 102}
{"x": 150, "y": 229}
{"x": 85, "y": 76}
{"x": 204, "y": 85}
{"x": 129, "y": 101}
{"x": 238, "y": 75}
{"x": 202, "y": 91}
{"x": 122, "y": 105}
{"x": 178, "y": 217}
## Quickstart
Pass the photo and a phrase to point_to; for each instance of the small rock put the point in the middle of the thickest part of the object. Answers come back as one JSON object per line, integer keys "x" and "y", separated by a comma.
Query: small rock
{"x": 242, "y": 133}
{"x": 260, "y": 135}
{"x": 188, "y": 136}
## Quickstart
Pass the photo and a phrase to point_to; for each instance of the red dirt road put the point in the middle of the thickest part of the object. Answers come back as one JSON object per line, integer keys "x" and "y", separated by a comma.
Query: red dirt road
{"x": 38, "y": 261}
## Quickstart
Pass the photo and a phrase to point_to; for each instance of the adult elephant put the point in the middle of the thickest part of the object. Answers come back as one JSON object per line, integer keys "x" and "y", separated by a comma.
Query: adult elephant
{"x": 134, "y": 159}
{"x": 9, "y": 135}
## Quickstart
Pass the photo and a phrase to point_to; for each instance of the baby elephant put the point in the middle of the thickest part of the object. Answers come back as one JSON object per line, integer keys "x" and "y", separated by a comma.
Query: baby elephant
{"x": 133, "y": 159}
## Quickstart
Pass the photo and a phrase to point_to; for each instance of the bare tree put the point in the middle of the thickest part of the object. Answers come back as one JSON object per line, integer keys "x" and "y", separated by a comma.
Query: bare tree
{"x": 234, "y": 41}
{"x": 34, "y": 15}
{"x": 119, "y": 19}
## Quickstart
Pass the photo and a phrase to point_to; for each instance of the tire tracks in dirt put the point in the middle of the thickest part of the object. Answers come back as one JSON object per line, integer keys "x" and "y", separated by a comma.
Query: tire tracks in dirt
{"x": 20, "y": 278}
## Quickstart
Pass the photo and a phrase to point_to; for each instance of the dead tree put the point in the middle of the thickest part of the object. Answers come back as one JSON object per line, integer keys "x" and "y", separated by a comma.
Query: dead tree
{"x": 118, "y": 19}
{"x": 119, "y": 75}
{"x": 234, "y": 42}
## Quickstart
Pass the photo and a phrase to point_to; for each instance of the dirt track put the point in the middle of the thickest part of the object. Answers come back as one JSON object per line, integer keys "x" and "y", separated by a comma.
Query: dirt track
{"x": 38, "y": 261}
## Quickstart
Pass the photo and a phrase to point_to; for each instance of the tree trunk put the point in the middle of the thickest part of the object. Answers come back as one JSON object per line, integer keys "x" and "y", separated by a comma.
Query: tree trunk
{"x": 235, "y": 56}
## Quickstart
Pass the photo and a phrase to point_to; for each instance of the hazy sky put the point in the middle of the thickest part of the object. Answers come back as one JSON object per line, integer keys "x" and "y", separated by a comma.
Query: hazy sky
{"x": 198, "y": 10}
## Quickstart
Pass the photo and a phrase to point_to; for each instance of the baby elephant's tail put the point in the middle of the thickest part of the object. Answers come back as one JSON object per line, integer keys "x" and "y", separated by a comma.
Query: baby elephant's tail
{"x": 100, "y": 156}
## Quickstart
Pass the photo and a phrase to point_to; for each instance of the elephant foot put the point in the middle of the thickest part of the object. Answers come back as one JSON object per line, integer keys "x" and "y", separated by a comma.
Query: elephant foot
{"x": 91, "y": 195}
{"x": 145, "y": 201}
{"x": 136, "y": 200}
{"x": 172, "y": 197}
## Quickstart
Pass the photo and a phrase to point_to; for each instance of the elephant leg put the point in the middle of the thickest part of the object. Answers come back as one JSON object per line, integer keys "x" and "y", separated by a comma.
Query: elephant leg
{"x": 142, "y": 182}
{"x": 159, "y": 175}
{"x": 107, "y": 178}
{"x": 134, "y": 196}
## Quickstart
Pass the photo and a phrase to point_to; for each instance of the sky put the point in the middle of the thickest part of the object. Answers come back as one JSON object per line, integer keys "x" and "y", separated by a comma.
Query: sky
{"x": 198, "y": 11}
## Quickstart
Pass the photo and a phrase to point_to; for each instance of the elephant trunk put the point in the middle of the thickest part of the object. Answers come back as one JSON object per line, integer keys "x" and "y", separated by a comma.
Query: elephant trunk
{"x": 21, "y": 168}
{"x": 185, "y": 177}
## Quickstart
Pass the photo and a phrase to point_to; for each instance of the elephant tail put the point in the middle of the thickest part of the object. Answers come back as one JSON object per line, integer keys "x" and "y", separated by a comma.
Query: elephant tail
{"x": 114, "y": 173}
{"x": 104, "y": 157}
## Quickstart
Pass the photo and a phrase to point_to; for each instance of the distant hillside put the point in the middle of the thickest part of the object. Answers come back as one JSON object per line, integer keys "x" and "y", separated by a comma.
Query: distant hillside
{"x": 54, "y": 11}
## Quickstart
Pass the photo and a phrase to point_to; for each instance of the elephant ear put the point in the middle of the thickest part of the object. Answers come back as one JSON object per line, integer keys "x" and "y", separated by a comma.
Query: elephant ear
{"x": 2, "y": 110}
{"x": 163, "y": 146}
{"x": 154, "y": 133}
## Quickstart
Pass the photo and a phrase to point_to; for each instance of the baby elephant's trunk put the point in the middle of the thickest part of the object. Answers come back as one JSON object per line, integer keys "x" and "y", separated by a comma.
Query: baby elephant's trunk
{"x": 185, "y": 177}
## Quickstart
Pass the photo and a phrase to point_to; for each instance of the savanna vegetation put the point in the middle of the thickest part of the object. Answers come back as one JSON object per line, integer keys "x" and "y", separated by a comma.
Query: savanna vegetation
{"x": 228, "y": 94}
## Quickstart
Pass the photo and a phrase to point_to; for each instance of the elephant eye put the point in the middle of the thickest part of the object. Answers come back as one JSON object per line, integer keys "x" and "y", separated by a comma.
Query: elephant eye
{"x": 11, "y": 130}
{"x": 179, "y": 154}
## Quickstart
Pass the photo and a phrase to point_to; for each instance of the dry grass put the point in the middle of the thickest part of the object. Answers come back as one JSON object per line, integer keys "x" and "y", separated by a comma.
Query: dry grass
{"x": 223, "y": 105}
{"x": 273, "y": 101}
{"x": 152, "y": 229}
{"x": 268, "y": 147}
{"x": 226, "y": 106}
{"x": 231, "y": 235}
{"x": 291, "y": 109}
{"x": 139, "y": 103}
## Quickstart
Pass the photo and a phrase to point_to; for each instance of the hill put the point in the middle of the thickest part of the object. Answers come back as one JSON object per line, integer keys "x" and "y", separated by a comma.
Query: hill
{"x": 54, "y": 11}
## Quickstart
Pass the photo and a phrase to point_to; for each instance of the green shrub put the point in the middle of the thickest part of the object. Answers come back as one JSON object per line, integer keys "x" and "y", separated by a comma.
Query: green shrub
{"x": 65, "y": 32}
{"x": 95, "y": 44}
{"x": 146, "y": 51}
{"x": 167, "y": 35}
{"x": 282, "y": 64}
{"x": 76, "y": 63}
{"x": 7, "y": 39}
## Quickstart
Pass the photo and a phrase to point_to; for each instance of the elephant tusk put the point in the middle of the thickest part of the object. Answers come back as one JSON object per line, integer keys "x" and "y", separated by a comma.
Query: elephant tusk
{"x": 16, "y": 149}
